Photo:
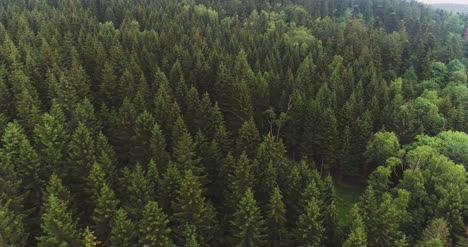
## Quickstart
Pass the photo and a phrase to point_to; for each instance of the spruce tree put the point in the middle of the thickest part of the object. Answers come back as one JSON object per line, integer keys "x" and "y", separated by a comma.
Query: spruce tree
{"x": 158, "y": 146}
{"x": 190, "y": 207}
{"x": 51, "y": 137}
{"x": 141, "y": 150}
{"x": 89, "y": 240}
{"x": 123, "y": 230}
{"x": 103, "y": 213}
{"x": 357, "y": 236}
{"x": 153, "y": 227}
{"x": 58, "y": 226}
{"x": 248, "y": 139}
{"x": 276, "y": 220}
{"x": 170, "y": 184}
{"x": 12, "y": 230}
{"x": 138, "y": 192}
{"x": 55, "y": 187}
{"x": 239, "y": 180}
{"x": 248, "y": 225}
{"x": 309, "y": 229}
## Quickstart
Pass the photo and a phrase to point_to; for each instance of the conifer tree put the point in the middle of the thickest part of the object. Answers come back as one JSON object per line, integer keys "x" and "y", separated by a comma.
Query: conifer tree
{"x": 276, "y": 220}
{"x": 240, "y": 179}
{"x": 55, "y": 187}
{"x": 123, "y": 230}
{"x": 138, "y": 191}
{"x": 81, "y": 157}
{"x": 58, "y": 226}
{"x": 141, "y": 150}
{"x": 104, "y": 212}
{"x": 248, "y": 139}
{"x": 154, "y": 180}
{"x": 50, "y": 138}
{"x": 357, "y": 236}
{"x": 309, "y": 226}
{"x": 170, "y": 184}
{"x": 158, "y": 146}
{"x": 153, "y": 227}
{"x": 185, "y": 157}
{"x": 12, "y": 230}
{"x": 89, "y": 239}
{"x": 84, "y": 113}
{"x": 248, "y": 225}
{"x": 190, "y": 207}
{"x": 190, "y": 236}
{"x": 23, "y": 161}
{"x": 328, "y": 211}
{"x": 454, "y": 215}
{"x": 436, "y": 231}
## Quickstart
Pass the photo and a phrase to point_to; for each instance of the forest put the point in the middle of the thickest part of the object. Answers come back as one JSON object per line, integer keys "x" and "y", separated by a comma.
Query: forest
{"x": 232, "y": 123}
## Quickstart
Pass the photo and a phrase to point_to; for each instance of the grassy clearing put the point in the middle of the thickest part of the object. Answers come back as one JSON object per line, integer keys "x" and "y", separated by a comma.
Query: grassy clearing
{"x": 346, "y": 197}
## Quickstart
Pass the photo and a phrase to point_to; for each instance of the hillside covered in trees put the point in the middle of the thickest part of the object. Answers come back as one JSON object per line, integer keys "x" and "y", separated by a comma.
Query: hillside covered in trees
{"x": 229, "y": 123}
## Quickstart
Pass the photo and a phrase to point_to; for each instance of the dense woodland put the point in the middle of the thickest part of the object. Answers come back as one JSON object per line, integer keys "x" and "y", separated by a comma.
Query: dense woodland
{"x": 229, "y": 123}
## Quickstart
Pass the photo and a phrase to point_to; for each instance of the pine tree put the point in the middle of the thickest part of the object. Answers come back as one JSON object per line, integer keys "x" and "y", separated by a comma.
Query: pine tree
{"x": 50, "y": 138}
{"x": 185, "y": 157}
{"x": 138, "y": 192}
{"x": 247, "y": 225}
{"x": 309, "y": 229}
{"x": 123, "y": 230}
{"x": 438, "y": 230}
{"x": 104, "y": 212}
{"x": 190, "y": 207}
{"x": 454, "y": 215}
{"x": 170, "y": 184}
{"x": 95, "y": 181}
{"x": 55, "y": 187}
{"x": 12, "y": 230}
{"x": 89, "y": 239}
{"x": 276, "y": 220}
{"x": 154, "y": 180}
{"x": 357, "y": 236}
{"x": 84, "y": 113}
{"x": 158, "y": 146}
{"x": 328, "y": 211}
{"x": 81, "y": 157}
{"x": 239, "y": 179}
{"x": 190, "y": 236}
{"x": 141, "y": 150}
{"x": 25, "y": 163}
{"x": 153, "y": 227}
{"x": 58, "y": 226}
{"x": 248, "y": 139}
{"x": 269, "y": 162}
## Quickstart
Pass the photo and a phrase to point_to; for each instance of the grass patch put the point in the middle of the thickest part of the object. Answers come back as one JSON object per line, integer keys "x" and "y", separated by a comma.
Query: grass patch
{"x": 346, "y": 197}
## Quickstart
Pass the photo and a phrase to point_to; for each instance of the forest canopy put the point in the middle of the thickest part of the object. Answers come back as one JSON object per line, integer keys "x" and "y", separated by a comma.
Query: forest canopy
{"x": 232, "y": 123}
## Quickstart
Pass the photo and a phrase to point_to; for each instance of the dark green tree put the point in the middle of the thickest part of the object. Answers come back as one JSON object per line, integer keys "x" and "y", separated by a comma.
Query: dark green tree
{"x": 191, "y": 207}
{"x": 123, "y": 230}
{"x": 248, "y": 225}
{"x": 276, "y": 220}
{"x": 153, "y": 227}
{"x": 58, "y": 226}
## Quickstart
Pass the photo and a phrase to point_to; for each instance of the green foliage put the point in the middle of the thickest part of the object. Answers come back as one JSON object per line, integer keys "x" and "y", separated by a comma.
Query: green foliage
{"x": 153, "y": 226}
{"x": 123, "y": 230}
{"x": 12, "y": 229}
{"x": 207, "y": 106}
{"x": 248, "y": 225}
{"x": 383, "y": 146}
{"x": 309, "y": 226}
{"x": 276, "y": 221}
{"x": 58, "y": 226}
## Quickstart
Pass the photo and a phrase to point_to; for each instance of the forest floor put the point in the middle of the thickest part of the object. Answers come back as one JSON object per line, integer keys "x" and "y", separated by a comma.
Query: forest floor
{"x": 346, "y": 197}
